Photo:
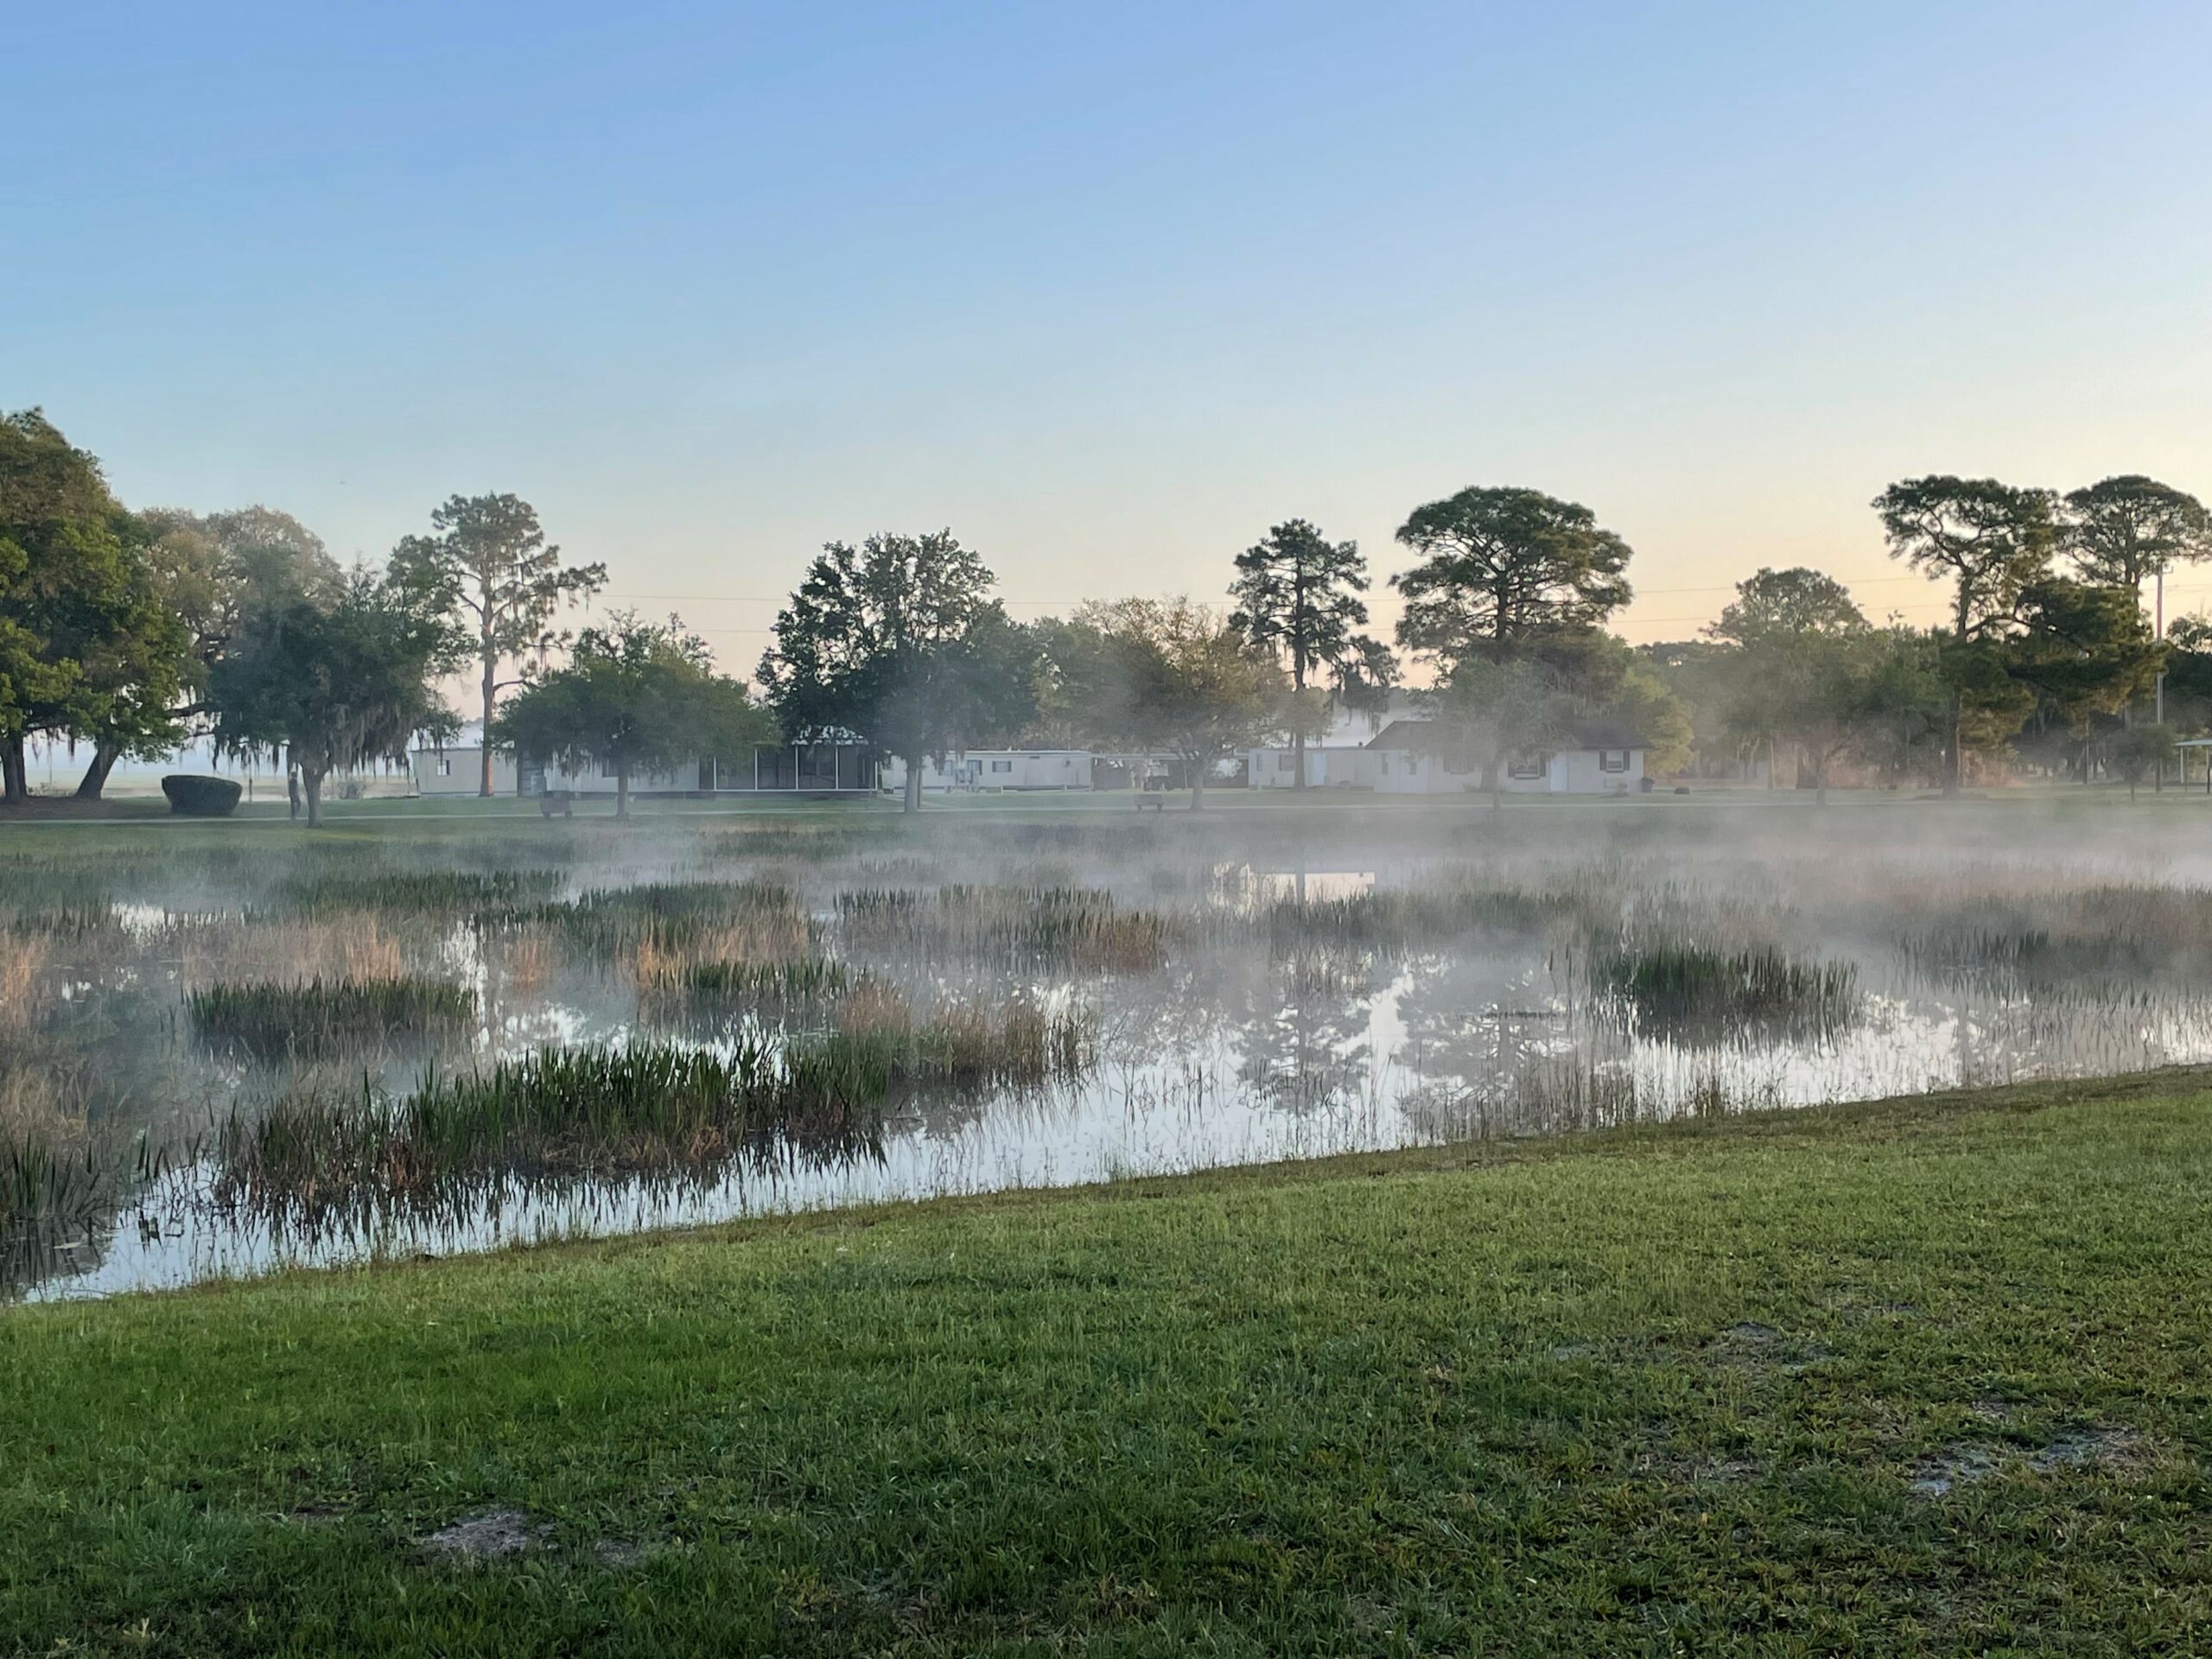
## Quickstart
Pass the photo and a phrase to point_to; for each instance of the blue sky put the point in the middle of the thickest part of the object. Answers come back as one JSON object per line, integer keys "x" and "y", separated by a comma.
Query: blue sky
{"x": 1109, "y": 290}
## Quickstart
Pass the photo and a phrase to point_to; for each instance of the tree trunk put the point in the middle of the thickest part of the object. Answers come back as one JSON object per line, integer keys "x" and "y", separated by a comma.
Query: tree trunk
{"x": 1954, "y": 760}
{"x": 1197, "y": 784}
{"x": 491, "y": 691}
{"x": 910, "y": 799}
{"x": 15, "y": 785}
{"x": 621, "y": 789}
{"x": 311, "y": 786}
{"x": 1821, "y": 779}
{"x": 95, "y": 779}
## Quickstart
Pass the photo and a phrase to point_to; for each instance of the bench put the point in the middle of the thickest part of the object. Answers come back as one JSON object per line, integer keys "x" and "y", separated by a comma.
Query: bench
{"x": 556, "y": 803}
{"x": 1153, "y": 798}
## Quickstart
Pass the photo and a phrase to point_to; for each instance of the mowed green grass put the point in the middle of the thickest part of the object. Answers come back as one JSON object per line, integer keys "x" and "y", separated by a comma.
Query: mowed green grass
{"x": 1652, "y": 1393}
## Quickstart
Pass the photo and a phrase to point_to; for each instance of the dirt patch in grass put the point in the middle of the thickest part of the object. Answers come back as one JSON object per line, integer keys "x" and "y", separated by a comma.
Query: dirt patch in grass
{"x": 497, "y": 1535}
{"x": 1963, "y": 1462}
{"x": 1751, "y": 1344}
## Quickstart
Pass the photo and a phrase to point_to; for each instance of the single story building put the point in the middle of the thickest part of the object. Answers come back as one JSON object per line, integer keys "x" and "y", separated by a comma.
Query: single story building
{"x": 769, "y": 769}
{"x": 1595, "y": 757}
{"x": 1340, "y": 755}
{"x": 991, "y": 769}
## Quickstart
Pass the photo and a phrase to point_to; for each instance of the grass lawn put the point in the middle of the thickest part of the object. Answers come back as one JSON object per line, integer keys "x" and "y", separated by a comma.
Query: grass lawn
{"x": 57, "y": 825}
{"x": 1661, "y": 1392}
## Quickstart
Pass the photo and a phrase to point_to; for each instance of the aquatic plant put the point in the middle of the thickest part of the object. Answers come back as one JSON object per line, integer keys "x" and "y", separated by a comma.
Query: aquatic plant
{"x": 1700, "y": 993}
{"x": 418, "y": 890}
{"x": 1083, "y": 928}
{"x": 2082, "y": 940}
{"x": 971, "y": 1044}
{"x": 1393, "y": 919}
{"x": 735, "y": 918}
{"x": 554, "y": 1113}
{"x": 270, "y": 1020}
{"x": 58, "y": 1191}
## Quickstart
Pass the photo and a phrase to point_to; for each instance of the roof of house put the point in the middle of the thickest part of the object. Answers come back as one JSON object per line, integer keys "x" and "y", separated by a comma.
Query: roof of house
{"x": 1606, "y": 734}
{"x": 1422, "y": 735}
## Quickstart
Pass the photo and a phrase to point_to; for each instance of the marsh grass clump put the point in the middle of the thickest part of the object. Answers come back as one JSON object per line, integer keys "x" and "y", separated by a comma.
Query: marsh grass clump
{"x": 2085, "y": 940}
{"x": 1082, "y": 928}
{"x": 973, "y": 1044}
{"x": 53, "y": 1181}
{"x": 808, "y": 842}
{"x": 58, "y": 1185}
{"x": 704, "y": 995}
{"x": 809, "y": 979}
{"x": 275, "y": 1020}
{"x": 559, "y": 1114}
{"x": 1703, "y": 994}
{"x": 213, "y": 950}
{"x": 446, "y": 892}
{"x": 751, "y": 918}
{"x": 46, "y": 894}
{"x": 1390, "y": 920}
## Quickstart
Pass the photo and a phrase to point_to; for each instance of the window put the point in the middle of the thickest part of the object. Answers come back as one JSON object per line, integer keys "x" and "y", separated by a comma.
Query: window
{"x": 1002, "y": 765}
{"x": 1612, "y": 759}
{"x": 1284, "y": 762}
{"x": 445, "y": 766}
{"x": 1525, "y": 765}
{"x": 1458, "y": 762}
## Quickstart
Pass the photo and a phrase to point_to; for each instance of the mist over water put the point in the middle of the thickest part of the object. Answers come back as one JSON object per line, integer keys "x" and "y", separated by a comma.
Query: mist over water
{"x": 1249, "y": 985}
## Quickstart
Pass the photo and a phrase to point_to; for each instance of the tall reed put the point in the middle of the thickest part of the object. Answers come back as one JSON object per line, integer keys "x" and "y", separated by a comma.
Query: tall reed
{"x": 269, "y": 1020}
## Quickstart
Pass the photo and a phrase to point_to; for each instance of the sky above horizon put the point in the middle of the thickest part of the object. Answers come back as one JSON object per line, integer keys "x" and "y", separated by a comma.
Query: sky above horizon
{"x": 1109, "y": 290}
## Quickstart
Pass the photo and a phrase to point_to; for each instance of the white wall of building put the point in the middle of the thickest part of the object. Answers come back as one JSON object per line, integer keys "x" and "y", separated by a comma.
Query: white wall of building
{"x": 987, "y": 769}
{"x": 1569, "y": 771}
{"x": 1325, "y": 768}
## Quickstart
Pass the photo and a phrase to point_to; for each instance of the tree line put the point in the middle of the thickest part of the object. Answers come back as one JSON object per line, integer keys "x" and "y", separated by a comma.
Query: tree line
{"x": 124, "y": 633}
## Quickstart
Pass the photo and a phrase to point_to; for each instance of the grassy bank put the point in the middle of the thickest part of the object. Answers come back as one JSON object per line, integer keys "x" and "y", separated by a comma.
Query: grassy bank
{"x": 1920, "y": 1377}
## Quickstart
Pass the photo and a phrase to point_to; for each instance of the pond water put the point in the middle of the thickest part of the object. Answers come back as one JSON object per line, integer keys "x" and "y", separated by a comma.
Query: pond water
{"x": 1245, "y": 992}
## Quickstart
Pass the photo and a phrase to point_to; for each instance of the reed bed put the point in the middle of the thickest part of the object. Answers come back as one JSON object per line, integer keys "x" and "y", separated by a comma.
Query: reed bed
{"x": 1083, "y": 928}
{"x": 782, "y": 984}
{"x": 969, "y": 1045}
{"x": 558, "y": 1114}
{"x": 213, "y": 950}
{"x": 34, "y": 890}
{"x": 27, "y": 987}
{"x": 58, "y": 1192}
{"x": 702, "y": 998}
{"x": 752, "y": 919}
{"x": 1700, "y": 993}
{"x": 1395, "y": 919}
{"x": 2079, "y": 940}
{"x": 273, "y": 1020}
{"x": 447, "y": 892}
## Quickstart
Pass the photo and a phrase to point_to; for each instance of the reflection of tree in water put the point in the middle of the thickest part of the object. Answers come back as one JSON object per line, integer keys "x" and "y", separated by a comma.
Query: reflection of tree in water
{"x": 1307, "y": 1046}
{"x": 1179, "y": 1010}
{"x": 1478, "y": 1028}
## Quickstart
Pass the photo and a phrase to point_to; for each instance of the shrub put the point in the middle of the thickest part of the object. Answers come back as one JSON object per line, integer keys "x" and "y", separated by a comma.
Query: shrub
{"x": 200, "y": 798}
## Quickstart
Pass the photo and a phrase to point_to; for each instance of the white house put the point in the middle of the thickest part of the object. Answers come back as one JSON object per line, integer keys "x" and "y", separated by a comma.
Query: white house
{"x": 1341, "y": 756}
{"x": 990, "y": 769}
{"x": 1597, "y": 757}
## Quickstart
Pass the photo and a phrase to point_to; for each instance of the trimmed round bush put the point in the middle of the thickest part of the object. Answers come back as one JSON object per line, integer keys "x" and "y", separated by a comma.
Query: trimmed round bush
{"x": 200, "y": 798}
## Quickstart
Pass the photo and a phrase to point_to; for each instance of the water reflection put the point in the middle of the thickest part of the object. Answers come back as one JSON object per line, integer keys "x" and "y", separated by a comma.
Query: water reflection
{"x": 1242, "y": 1009}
